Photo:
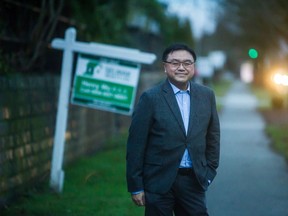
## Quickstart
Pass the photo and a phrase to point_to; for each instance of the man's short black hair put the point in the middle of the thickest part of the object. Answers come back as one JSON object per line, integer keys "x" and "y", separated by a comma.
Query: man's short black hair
{"x": 175, "y": 47}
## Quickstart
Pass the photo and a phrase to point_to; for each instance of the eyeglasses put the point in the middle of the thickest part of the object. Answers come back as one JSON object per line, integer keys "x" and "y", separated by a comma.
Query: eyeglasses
{"x": 176, "y": 64}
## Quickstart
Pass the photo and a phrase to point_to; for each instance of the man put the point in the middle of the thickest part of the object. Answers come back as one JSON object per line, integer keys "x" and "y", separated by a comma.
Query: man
{"x": 174, "y": 141}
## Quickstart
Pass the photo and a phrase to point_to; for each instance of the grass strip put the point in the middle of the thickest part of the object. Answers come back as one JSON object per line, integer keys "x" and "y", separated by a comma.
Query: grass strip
{"x": 275, "y": 130}
{"x": 94, "y": 185}
{"x": 221, "y": 87}
{"x": 279, "y": 136}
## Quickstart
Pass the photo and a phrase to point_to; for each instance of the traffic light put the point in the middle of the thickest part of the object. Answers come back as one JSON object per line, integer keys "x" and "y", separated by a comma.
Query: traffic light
{"x": 253, "y": 53}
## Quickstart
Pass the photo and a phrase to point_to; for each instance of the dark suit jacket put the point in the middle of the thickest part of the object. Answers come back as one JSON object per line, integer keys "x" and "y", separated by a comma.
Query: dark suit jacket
{"x": 157, "y": 138}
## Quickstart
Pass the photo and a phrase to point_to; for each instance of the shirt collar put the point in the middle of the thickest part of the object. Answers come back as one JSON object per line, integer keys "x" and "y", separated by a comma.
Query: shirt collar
{"x": 177, "y": 90}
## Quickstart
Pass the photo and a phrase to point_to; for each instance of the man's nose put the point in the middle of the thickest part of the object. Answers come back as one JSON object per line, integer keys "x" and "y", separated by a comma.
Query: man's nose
{"x": 181, "y": 66}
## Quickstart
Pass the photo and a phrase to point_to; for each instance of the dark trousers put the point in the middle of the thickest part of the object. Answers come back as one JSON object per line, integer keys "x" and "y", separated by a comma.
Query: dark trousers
{"x": 185, "y": 198}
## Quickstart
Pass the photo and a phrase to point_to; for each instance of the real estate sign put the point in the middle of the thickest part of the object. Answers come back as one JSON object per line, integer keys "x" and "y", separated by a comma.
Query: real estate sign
{"x": 105, "y": 83}
{"x": 106, "y": 78}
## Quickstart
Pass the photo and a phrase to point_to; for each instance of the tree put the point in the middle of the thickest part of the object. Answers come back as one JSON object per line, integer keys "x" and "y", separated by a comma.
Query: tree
{"x": 260, "y": 24}
{"x": 257, "y": 24}
{"x": 31, "y": 24}
{"x": 28, "y": 26}
{"x": 102, "y": 20}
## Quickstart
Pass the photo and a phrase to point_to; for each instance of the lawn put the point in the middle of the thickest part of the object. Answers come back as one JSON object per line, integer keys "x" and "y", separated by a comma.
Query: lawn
{"x": 220, "y": 88}
{"x": 276, "y": 129}
{"x": 94, "y": 185}
{"x": 280, "y": 138}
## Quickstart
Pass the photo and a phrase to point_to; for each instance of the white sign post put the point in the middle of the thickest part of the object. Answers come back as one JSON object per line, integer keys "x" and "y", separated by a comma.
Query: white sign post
{"x": 69, "y": 45}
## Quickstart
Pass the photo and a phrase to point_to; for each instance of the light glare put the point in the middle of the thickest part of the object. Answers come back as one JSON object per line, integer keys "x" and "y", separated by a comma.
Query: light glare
{"x": 281, "y": 79}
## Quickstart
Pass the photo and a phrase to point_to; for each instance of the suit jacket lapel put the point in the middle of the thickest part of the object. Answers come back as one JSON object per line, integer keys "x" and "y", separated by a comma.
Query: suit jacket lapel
{"x": 172, "y": 104}
{"x": 193, "y": 107}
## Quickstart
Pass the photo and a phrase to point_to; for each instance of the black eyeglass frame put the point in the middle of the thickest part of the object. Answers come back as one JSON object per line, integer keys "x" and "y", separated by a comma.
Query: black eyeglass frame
{"x": 176, "y": 64}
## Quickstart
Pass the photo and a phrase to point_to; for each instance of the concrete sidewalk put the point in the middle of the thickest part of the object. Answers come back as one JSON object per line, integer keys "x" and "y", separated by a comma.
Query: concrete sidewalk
{"x": 252, "y": 180}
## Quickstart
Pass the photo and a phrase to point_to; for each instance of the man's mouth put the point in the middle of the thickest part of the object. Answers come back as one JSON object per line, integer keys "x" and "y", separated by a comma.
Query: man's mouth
{"x": 180, "y": 74}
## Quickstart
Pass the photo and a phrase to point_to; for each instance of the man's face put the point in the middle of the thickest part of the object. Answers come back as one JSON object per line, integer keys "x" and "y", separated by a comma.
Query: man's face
{"x": 179, "y": 67}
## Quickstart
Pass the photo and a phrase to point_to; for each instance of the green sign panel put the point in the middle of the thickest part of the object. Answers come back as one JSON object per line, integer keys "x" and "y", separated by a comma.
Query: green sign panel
{"x": 105, "y": 84}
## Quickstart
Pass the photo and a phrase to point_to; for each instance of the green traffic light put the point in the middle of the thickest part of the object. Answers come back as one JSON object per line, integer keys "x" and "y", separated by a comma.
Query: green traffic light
{"x": 253, "y": 53}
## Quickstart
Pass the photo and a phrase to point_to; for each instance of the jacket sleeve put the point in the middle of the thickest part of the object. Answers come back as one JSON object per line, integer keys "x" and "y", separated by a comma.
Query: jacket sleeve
{"x": 213, "y": 140}
{"x": 136, "y": 143}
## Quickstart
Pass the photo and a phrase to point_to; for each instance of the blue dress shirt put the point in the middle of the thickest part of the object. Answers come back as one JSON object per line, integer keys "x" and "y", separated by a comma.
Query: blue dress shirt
{"x": 183, "y": 100}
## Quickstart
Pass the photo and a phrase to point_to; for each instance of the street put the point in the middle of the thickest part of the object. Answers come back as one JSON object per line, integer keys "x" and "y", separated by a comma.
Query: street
{"x": 252, "y": 180}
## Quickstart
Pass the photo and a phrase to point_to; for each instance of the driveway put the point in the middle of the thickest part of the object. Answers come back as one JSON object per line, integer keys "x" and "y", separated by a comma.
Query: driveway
{"x": 252, "y": 180}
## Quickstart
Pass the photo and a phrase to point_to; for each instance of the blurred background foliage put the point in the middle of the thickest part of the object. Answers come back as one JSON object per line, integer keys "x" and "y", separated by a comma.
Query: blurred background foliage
{"x": 244, "y": 24}
{"x": 27, "y": 28}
